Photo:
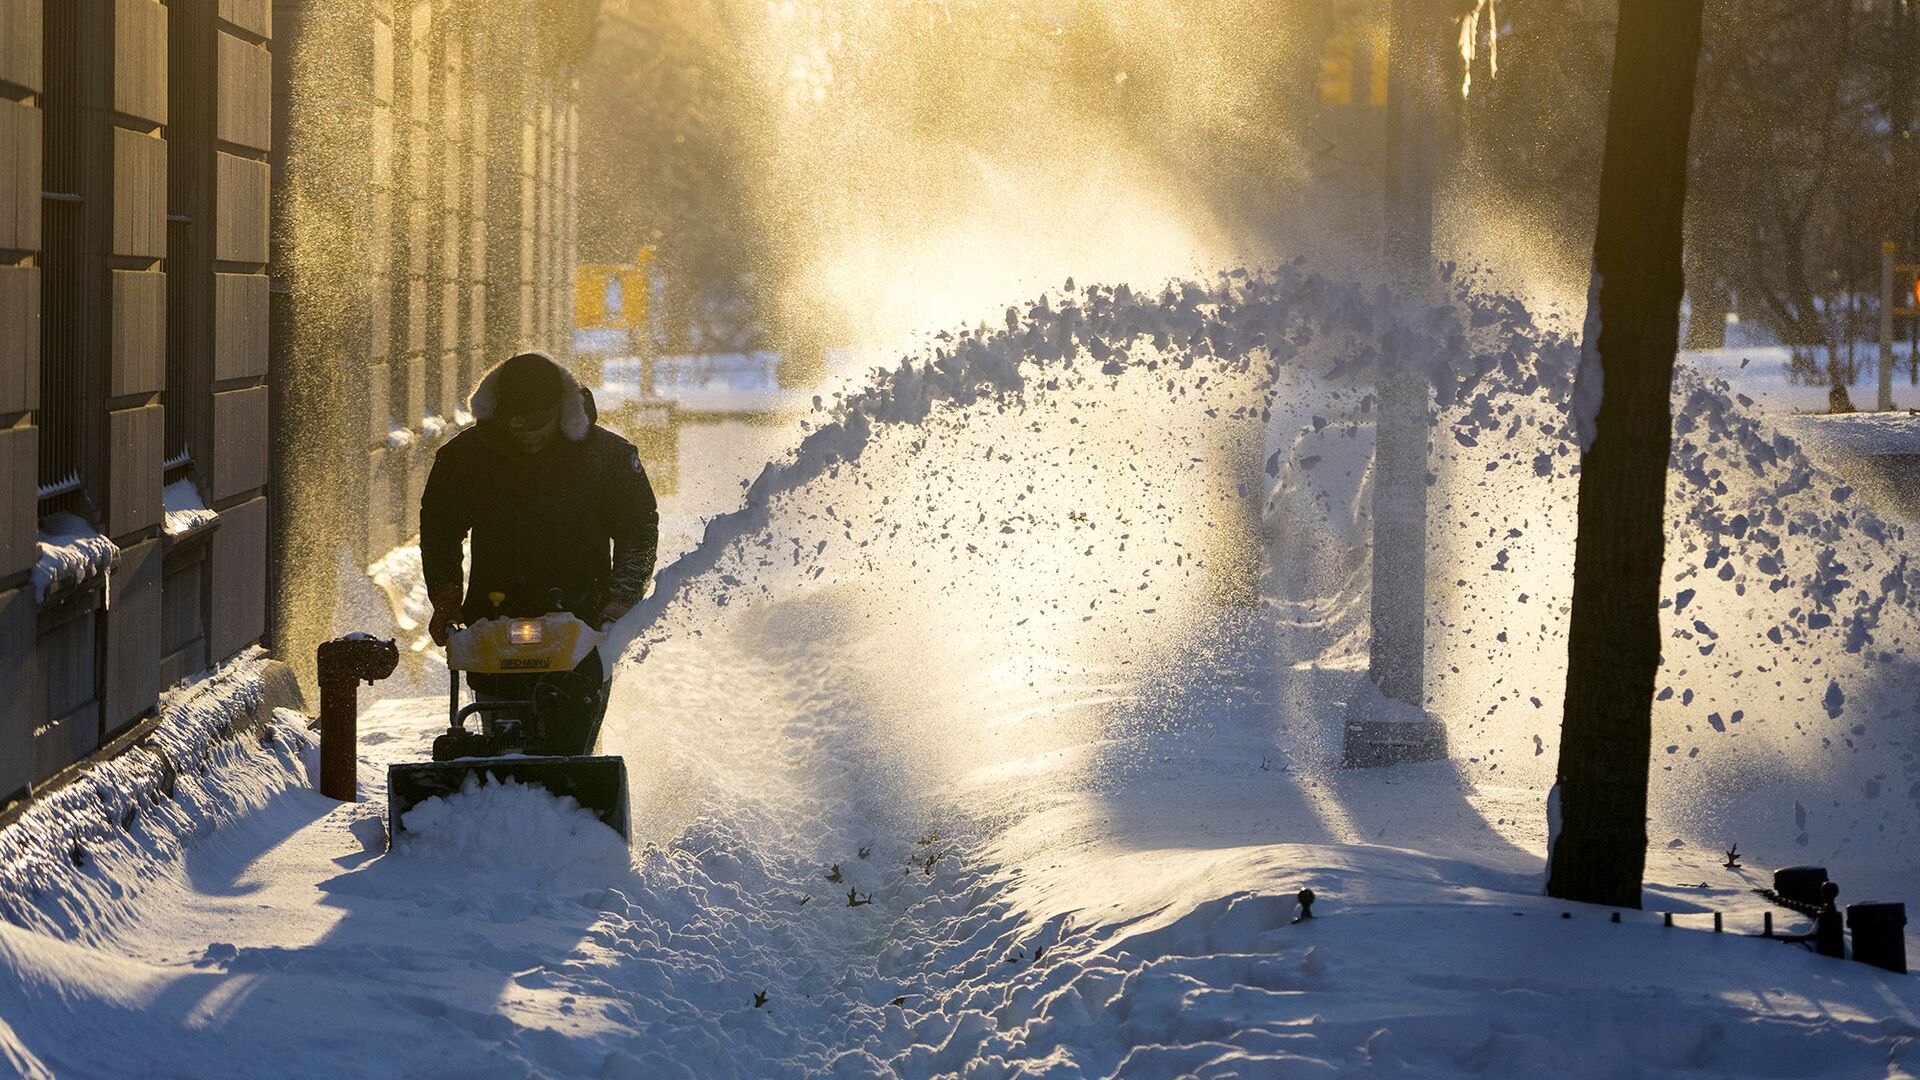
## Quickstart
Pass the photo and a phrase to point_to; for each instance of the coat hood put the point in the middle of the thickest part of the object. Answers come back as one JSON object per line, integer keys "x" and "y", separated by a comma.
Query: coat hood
{"x": 574, "y": 420}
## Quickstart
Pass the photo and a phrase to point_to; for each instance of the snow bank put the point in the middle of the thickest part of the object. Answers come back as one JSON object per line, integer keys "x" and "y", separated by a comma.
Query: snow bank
{"x": 511, "y": 826}
{"x": 1764, "y": 373}
{"x": 72, "y": 553}
{"x": 72, "y": 865}
{"x": 1857, "y": 434}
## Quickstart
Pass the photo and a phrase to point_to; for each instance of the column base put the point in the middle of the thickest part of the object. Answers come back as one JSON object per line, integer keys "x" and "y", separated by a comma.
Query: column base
{"x": 1381, "y": 731}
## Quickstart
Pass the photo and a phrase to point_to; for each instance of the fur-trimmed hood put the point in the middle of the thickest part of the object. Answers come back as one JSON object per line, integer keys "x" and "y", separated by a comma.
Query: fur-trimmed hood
{"x": 574, "y": 421}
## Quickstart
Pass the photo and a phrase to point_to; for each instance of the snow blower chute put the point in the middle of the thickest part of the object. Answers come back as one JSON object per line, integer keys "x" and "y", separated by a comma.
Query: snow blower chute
{"x": 542, "y": 737}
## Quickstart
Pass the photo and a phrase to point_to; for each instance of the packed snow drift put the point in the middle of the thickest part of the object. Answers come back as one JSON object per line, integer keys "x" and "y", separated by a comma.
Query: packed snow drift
{"x": 997, "y": 732}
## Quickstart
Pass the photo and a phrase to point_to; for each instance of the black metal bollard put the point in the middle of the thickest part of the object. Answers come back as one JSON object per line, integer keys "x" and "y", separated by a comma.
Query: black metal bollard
{"x": 343, "y": 663}
{"x": 1829, "y": 933}
{"x": 1879, "y": 934}
{"x": 1800, "y": 884}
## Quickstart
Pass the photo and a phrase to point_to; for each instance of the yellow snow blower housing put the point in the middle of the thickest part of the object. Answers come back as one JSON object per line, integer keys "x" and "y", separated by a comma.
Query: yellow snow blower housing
{"x": 518, "y": 733}
{"x": 555, "y": 641}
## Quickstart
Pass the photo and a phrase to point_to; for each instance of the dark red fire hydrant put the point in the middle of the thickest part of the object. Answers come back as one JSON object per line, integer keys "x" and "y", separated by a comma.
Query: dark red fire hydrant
{"x": 343, "y": 664}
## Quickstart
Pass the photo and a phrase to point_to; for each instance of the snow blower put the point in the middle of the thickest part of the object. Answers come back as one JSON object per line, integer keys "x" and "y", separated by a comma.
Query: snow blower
{"x": 543, "y": 740}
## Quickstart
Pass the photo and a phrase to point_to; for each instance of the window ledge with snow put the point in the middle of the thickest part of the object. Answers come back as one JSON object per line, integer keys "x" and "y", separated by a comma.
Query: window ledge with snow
{"x": 187, "y": 514}
{"x": 72, "y": 556}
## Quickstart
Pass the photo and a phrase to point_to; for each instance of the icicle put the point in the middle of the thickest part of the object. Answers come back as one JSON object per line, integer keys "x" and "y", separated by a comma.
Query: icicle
{"x": 1470, "y": 42}
{"x": 1493, "y": 41}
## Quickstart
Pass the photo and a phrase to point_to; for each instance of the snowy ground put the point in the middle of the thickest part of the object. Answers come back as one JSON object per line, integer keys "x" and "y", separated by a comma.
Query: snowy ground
{"x": 996, "y": 736}
{"x": 1764, "y": 373}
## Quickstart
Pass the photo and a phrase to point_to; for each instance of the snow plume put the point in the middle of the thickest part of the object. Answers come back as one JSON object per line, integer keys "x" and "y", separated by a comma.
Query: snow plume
{"x": 1009, "y": 622}
{"x": 913, "y": 166}
{"x": 1243, "y": 326}
{"x": 1789, "y": 617}
{"x": 72, "y": 865}
{"x": 1781, "y": 583}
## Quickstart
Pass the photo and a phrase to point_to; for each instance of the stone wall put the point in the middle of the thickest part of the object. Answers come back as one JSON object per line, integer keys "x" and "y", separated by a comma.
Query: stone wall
{"x": 133, "y": 309}
{"x": 175, "y": 309}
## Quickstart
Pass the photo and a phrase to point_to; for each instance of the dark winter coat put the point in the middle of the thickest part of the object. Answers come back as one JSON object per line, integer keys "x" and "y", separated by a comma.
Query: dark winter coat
{"x": 579, "y": 516}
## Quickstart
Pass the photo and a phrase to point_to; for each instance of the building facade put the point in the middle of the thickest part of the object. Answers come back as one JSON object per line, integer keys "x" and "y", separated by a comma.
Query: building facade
{"x": 252, "y": 254}
{"x": 133, "y": 350}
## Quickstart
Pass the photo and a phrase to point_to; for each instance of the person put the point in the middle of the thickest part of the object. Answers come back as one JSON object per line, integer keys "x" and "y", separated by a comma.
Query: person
{"x": 560, "y": 515}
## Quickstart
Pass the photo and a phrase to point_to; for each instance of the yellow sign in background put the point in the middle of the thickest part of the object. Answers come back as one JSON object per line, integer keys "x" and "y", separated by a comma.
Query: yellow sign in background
{"x": 592, "y": 286}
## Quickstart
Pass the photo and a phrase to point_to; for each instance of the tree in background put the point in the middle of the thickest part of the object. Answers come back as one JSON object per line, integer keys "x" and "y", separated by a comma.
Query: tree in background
{"x": 659, "y": 160}
{"x": 1814, "y": 106}
{"x": 1622, "y": 407}
{"x": 1814, "y": 117}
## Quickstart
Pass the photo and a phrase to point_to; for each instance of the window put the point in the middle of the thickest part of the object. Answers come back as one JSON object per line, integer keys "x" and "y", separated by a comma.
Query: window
{"x": 61, "y": 418}
{"x": 190, "y": 118}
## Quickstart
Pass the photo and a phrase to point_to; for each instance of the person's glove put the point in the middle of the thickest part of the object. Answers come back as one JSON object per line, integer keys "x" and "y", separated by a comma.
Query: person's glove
{"x": 446, "y": 611}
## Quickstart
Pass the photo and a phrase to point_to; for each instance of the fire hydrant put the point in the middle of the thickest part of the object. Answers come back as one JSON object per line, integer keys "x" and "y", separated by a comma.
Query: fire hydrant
{"x": 343, "y": 664}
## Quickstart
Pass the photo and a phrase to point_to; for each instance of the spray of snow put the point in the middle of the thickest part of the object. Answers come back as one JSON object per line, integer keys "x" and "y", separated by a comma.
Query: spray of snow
{"x": 1776, "y": 569}
{"x": 1243, "y": 323}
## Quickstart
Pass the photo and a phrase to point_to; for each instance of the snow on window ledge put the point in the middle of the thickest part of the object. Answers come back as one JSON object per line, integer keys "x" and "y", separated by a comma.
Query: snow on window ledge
{"x": 186, "y": 512}
{"x": 72, "y": 554}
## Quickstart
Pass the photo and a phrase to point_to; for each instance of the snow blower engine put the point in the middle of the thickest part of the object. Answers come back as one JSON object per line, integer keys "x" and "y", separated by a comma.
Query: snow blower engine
{"x": 542, "y": 739}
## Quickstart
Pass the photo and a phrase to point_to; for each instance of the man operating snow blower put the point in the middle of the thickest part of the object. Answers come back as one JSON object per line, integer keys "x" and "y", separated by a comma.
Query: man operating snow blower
{"x": 564, "y": 531}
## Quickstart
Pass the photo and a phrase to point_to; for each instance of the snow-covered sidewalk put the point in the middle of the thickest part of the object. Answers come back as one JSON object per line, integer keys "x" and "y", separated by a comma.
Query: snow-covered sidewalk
{"x": 1115, "y": 904}
{"x": 983, "y": 742}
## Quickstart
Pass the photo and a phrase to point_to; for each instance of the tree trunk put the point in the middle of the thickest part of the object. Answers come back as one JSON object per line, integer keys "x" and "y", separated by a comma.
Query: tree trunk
{"x": 1633, "y": 327}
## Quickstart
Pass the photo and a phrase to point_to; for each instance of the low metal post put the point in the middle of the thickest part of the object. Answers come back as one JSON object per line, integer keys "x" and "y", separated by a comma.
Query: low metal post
{"x": 343, "y": 664}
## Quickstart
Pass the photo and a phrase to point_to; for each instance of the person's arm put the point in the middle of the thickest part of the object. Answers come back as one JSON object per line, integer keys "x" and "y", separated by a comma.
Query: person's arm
{"x": 634, "y": 517}
{"x": 443, "y": 529}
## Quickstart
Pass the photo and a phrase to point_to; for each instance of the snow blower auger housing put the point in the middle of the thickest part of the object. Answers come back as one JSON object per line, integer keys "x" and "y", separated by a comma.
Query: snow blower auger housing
{"x": 542, "y": 737}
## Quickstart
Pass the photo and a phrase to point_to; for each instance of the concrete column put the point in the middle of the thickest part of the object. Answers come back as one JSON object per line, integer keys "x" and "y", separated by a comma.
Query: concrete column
{"x": 1392, "y": 726}
{"x": 1888, "y": 301}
